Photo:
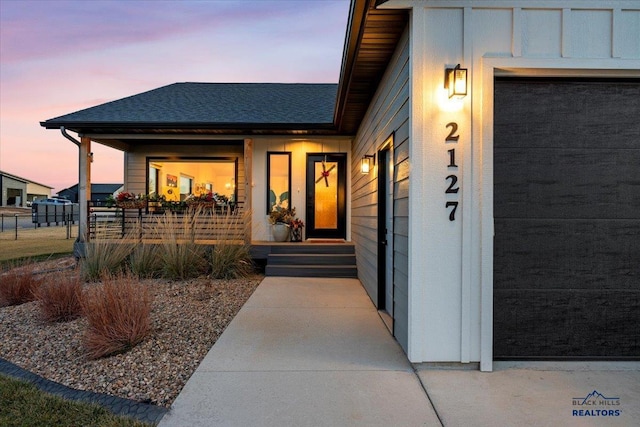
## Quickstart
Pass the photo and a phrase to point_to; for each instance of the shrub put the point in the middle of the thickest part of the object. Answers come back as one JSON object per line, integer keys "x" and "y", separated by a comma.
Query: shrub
{"x": 17, "y": 286}
{"x": 230, "y": 261}
{"x": 144, "y": 261}
{"x": 181, "y": 257}
{"x": 118, "y": 315}
{"x": 60, "y": 299}
{"x": 103, "y": 257}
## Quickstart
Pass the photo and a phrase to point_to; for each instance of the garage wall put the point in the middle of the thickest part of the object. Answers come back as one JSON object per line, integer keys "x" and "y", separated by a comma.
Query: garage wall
{"x": 450, "y": 282}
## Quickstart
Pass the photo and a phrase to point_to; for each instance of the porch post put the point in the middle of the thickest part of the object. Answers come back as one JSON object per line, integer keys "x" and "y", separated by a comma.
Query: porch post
{"x": 84, "y": 187}
{"x": 248, "y": 180}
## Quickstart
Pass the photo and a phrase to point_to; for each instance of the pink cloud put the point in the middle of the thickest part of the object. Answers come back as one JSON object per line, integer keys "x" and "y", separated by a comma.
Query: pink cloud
{"x": 57, "y": 57}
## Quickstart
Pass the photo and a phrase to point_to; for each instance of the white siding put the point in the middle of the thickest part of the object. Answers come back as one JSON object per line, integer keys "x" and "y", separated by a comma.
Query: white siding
{"x": 450, "y": 264}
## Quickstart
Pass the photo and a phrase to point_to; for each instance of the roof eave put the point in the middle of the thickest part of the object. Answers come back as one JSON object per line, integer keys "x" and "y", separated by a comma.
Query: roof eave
{"x": 89, "y": 126}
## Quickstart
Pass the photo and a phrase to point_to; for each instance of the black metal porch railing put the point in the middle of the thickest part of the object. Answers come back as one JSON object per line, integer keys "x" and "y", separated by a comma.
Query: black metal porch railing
{"x": 178, "y": 221}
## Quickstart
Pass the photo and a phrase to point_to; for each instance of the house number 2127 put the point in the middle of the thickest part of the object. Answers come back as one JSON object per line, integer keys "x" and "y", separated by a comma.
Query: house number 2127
{"x": 452, "y": 179}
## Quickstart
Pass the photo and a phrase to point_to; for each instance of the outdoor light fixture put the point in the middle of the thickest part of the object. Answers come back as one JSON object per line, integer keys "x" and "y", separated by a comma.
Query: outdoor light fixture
{"x": 365, "y": 163}
{"x": 455, "y": 81}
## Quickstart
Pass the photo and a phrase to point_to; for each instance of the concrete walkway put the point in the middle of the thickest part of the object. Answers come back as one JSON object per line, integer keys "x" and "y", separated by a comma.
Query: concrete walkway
{"x": 537, "y": 394}
{"x": 304, "y": 352}
{"x": 314, "y": 352}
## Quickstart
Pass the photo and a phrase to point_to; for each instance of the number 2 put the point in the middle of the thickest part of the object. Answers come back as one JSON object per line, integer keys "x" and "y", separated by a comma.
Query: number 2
{"x": 454, "y": 129}
{"x": 454, "y": 180}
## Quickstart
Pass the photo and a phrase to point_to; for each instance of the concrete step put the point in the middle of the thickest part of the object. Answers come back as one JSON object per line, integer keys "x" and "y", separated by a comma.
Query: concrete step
{"x": 311, "y": 259}
{"x": 314, "y": 248}
{"x": 348, "y": 271}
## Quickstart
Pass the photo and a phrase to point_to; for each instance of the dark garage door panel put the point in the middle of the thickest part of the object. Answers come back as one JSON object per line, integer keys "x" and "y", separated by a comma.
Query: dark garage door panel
{"x": 567, "y": 182}
{"x": 567, "y": 219}
{"x": 552, "y": 255}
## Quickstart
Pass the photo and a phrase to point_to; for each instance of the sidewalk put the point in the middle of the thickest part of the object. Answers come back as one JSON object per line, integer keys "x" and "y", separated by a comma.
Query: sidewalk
{"x": 304, "y": 352}
{"x": 314, "y": 352}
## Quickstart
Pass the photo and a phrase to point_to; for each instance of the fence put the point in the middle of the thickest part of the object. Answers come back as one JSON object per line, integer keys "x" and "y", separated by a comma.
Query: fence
{"x": 49, "y": 213}
{"x": 21, "y": 227}
{"x": 204, "y": 226}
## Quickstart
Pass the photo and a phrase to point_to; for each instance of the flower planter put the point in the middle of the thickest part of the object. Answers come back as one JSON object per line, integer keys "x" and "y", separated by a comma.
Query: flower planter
{"x": 296, "y": 234}
{"x": 201, "y": 204}
{"x": 131, "y": 204}
{"x": 280, "y": 232}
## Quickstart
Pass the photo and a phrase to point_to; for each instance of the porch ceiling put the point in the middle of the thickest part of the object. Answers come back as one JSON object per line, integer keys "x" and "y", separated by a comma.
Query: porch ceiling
{"x": 372, "y": 36}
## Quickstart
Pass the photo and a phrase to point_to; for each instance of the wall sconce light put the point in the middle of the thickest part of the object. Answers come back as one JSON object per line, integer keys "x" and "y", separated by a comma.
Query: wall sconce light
{"x": 365, "y": 163}
{"x": 455, "y": 81}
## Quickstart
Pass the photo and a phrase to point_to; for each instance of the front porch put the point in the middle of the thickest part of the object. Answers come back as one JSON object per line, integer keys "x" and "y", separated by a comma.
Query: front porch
{"x": 310, "y": 258}
{"x": 152, "y": 224}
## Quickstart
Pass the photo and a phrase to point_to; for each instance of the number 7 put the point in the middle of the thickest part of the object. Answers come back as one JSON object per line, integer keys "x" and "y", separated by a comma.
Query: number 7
{"x": 452, "y": 214}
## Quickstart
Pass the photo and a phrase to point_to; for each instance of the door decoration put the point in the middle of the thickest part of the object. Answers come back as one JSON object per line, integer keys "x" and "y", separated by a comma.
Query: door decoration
{"x": 325, "y": 172}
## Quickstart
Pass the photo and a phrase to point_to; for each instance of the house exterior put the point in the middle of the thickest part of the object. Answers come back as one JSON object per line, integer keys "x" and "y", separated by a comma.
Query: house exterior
{"x": 99, "y": 192}
{"x": 17, "y": 191}
{"x": 502, "y": 224}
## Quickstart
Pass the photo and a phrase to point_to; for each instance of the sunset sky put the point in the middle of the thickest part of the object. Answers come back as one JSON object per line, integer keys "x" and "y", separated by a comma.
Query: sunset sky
{"x": 58, "y": 57}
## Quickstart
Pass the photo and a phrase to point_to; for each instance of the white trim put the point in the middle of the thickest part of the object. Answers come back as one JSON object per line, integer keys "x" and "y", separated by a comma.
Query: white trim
{"x": 416, "y": 293}
{"x": 468, "y": 202}
{"x": 502, "y": 4}
{"x": 492, "y": 66}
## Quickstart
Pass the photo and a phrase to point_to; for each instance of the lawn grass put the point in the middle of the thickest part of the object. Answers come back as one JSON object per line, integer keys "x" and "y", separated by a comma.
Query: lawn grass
{"x": 22, "y": 404}
{"x": 36, "y": 242}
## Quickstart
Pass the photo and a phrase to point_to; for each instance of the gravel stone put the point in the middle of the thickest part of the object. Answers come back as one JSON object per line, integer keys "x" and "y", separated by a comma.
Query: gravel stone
{"x": 187, "y": 319}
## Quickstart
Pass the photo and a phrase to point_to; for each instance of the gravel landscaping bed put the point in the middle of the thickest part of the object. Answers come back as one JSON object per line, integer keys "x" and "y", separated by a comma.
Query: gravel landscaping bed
{"x": 187, "y": 319}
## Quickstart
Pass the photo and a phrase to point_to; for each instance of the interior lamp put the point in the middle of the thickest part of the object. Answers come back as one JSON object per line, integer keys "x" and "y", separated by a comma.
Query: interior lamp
{"x": 455, "y": 81}
{"x": 365, "y": 163}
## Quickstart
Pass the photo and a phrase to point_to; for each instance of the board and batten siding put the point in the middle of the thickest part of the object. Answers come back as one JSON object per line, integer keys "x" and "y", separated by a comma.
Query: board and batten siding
{"x": 136, "y": 161}
{"x": 388, "y": 115}
{"x": 451, "y": 269}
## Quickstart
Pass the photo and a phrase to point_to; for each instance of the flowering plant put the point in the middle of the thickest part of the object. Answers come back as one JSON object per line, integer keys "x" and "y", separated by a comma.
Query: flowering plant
{"x": 281, "y": 215}
{"x": 129, "y": 200}
{"x": 296, "y": 223}
{"x": 125, "y": 196}
{"x": 202, "y": 197}
{"x": 208, "y": 197}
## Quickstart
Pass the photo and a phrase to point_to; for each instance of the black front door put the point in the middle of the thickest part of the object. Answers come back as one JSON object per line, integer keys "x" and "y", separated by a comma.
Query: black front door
{"x": 326, "y": 195}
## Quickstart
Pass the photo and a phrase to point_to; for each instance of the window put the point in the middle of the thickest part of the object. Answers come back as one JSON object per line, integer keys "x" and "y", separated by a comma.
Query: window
{"x": 175, "y": 179}
{"x": 278, "y": 180}
{"x": 154, "y": 174}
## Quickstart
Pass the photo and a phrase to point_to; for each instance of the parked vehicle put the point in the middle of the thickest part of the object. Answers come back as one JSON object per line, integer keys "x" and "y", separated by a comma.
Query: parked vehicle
{"x": 52, "y": 201}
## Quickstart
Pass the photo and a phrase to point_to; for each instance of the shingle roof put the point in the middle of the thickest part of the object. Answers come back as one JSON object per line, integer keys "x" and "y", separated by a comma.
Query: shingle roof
{"x": 212, "y": 104}
{"x": 95, "y": 188}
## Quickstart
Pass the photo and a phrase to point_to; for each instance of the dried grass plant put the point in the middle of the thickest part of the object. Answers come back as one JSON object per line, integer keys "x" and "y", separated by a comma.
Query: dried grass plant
{"x": 104, "y": 255}
{"x": 60, "y": 298}
{"x": 118, "y": 315}
{"x": 18, "y": 285}
{"x": 145, "y": 261}
{"x": 231, "y": 255}
{"x": 182, "y": 258}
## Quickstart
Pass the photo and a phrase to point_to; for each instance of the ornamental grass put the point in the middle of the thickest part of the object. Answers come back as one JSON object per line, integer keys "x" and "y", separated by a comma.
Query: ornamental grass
{"x": 60, "y": 299}
{"x": 182, "y": 258}
{"x": 118, "y": 315}
{"x": 231, "y": 256}
{"x": 145, "y": 261}
{"x": 18, "y": 285}
{"x": 104, "y": 257}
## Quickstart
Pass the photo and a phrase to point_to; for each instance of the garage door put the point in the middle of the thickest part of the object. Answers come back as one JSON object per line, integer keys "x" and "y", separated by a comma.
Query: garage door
{"x": 567, "y": 219}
